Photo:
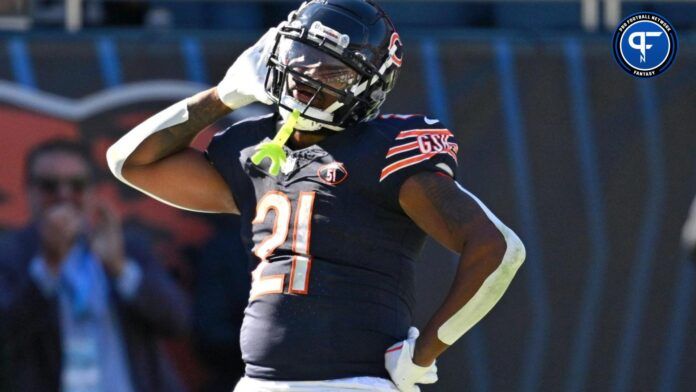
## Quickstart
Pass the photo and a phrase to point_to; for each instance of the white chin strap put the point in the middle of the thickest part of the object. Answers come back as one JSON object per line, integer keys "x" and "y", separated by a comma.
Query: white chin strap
{"x": 305, "y": 124}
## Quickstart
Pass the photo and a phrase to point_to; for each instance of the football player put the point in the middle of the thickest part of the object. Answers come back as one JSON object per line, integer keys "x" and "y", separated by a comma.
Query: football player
{"x": 337, "y": 225}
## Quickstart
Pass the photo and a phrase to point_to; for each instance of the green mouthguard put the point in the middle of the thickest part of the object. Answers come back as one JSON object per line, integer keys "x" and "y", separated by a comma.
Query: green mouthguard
{"x": 273, "y": 150}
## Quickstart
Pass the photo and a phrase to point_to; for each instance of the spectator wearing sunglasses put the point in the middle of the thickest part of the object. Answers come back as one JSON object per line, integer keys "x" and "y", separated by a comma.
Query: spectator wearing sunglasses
{"x": 82, "y": 306}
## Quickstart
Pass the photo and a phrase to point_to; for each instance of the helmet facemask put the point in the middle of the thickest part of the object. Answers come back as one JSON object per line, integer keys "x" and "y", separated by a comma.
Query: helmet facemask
{"x": 312, "y": 81}
{"x": 312, "y": 71}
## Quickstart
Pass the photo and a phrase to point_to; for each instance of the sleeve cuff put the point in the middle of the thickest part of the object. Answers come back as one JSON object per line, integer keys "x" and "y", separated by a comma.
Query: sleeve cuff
{"x": 44, "y": 279}
{"x": 128, "y": 282}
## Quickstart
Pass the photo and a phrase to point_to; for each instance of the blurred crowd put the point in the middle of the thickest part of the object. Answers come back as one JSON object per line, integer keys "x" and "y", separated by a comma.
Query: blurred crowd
{"x": 85, "y": 303}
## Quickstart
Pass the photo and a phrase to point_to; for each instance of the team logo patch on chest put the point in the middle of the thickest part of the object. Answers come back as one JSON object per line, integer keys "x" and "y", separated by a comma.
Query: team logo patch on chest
{"x": 332, "y": 173}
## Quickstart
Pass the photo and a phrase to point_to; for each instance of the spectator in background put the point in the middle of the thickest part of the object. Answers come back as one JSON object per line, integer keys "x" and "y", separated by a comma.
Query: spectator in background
{"x": 221, "y": 292}
{"x": 689, "y": 232}
{"x": 81, "y": 307}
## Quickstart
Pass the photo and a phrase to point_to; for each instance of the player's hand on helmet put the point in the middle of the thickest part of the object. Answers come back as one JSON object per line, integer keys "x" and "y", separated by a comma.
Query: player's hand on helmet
{"x": 244, "y": 81}
{"x": 399, "y": 363}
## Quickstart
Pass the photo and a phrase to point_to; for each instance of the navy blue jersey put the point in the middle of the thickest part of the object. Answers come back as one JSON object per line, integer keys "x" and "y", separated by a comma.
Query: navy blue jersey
{"x": 334, "y": 271}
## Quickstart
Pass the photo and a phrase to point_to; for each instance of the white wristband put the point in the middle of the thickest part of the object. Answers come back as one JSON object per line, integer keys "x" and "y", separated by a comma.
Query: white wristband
{"x": 231, "y": 97}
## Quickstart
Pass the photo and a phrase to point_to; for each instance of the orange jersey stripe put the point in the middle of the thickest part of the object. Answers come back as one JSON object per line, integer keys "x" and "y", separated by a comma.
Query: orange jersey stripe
{"x": 404, "y": 147}
{"x": 419, "y": 132}
{"x": 405, "y": 163}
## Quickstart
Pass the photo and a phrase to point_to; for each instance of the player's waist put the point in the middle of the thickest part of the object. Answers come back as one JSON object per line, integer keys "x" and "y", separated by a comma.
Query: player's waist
{"x": 312, "y": 338}
{"x": 313, "y": 354}
{"x": 316, "y": 372}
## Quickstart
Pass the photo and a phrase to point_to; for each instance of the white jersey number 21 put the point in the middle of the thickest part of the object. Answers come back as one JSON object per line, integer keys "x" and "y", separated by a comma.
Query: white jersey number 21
{"x": 302, "y": 261}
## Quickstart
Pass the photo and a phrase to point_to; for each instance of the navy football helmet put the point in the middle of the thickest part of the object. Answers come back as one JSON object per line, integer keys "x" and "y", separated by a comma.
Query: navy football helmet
{"x": 334, "y": 61}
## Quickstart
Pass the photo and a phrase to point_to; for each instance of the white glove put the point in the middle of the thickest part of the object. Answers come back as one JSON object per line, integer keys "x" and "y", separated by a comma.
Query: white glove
{"x": 244, "y": 81}
{"x": 399, "y": 363}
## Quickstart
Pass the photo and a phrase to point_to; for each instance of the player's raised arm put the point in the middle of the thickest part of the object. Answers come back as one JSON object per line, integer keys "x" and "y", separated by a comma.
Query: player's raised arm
{"x": 490, "y": 254}
{"x": 155, "y": 157}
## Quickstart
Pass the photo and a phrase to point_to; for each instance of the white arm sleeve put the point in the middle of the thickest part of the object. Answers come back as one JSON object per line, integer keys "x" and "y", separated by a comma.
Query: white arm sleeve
{"x": 119, "y": 152}
{"x": 492, "y": 288}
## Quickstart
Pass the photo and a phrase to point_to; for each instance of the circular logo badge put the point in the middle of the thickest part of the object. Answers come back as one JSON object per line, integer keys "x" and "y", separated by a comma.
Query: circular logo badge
{"x": 645, "y": 44}
{"x": 333, "y": 173}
